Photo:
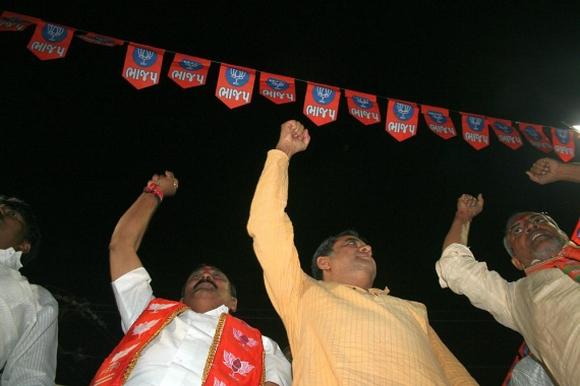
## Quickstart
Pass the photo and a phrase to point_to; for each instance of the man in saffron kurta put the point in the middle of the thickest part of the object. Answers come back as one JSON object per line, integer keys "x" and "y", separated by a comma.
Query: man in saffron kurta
{"x": 191, "y": 342}
{"x": 341, "y": 330}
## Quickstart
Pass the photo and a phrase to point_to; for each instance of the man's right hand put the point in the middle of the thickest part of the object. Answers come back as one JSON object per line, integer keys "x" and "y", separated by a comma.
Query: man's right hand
{"x": 294, "y": 138}
{"x": 545, "y": 171}
{"x": 468, "y": 207}
{"x": 167, "y": 183}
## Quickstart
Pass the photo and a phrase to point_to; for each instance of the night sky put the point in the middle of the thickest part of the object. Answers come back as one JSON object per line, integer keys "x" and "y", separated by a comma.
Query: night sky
{"x": 79, "y": 143}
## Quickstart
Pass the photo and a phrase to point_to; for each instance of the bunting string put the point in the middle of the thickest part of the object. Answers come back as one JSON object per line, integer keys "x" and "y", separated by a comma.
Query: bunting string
{"x": 235, "y": 85}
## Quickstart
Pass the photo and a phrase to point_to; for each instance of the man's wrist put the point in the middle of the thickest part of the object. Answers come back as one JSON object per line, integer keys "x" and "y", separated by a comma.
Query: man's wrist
{"x": 463, "y": 218}
{"x": 284, "y": 150}
{"x": 154, "y": 189}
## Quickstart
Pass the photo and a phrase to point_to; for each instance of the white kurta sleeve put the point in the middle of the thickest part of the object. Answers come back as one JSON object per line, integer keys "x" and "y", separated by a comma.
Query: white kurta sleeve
{"x": 278, "y": 368}
{"x": 485, "y": 289}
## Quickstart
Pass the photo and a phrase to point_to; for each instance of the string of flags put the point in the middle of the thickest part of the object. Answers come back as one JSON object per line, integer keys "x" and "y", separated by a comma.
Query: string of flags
{"x": 235, "y": 85}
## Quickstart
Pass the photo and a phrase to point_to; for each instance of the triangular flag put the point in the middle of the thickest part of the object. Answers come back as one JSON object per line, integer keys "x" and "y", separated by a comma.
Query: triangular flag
{"x": 363, "y": 107}
{"x": 563, "y": 141}
{"x": 11, "y": 21}
{"x": 188, "y": 71}
{"x": 277, "y": 88}
{"x": 235, "y": 85}
{"x": 576, "y": 234}
{"x": 402, "y": 119}
{"x": 438, "y": 120}
{"x": 505, "y": 132}
{"x": 321, "y": 103}
{"x": 101, "y": 40}
{"x": 142, "y": 65}
{"x": 475, "y": 130}
{"x": 535, "y": 135}
{"x": 50, "y": 41}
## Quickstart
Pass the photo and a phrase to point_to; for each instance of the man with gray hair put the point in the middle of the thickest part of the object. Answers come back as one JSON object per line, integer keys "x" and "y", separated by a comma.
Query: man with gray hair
{"x": 544, "y": 306}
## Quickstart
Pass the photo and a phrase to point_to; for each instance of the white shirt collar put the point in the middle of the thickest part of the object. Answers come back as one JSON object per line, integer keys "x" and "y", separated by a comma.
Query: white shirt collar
{"x": 218, "y": 311}
{"x": 10, "y": 258}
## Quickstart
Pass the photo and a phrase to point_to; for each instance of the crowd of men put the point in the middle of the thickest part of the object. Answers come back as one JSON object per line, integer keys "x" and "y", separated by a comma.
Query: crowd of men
{"x": 342, "y": 330}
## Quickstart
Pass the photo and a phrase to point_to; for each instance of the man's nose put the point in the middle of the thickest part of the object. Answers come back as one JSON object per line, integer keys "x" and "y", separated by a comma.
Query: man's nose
{"x": 366, "y": 248}
{"x": 530, "y": 226}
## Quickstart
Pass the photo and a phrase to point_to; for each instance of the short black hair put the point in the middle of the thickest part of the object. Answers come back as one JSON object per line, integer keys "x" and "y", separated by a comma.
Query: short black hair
{"x": 325, "y": 249}
{"x": 31, "y": 227}
{"x": 233, "y": 290}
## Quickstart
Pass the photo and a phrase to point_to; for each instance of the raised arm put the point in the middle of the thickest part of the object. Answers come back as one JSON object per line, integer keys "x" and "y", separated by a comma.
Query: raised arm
{"x": 131, "y": 227}
{"x": 294, "y": 138}
{"x": 548, "y": 170}
{"x": 270, "y": 226}
{"x": 467, "y": 208}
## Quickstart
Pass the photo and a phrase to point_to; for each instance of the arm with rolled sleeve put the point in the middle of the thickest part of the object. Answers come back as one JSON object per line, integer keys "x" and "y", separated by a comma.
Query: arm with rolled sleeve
{"x": 485, "y": 289}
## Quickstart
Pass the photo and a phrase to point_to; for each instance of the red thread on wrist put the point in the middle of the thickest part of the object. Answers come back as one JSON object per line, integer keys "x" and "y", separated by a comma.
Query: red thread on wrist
{"x": 153, "y": 188}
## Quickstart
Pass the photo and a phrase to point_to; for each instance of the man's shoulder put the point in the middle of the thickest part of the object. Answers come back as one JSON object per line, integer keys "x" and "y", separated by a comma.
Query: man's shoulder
{"x": 457, "y": 249}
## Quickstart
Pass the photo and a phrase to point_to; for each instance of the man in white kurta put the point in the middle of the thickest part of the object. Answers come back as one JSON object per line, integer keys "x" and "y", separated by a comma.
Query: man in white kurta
{"x": 544, "y": 306}
{"x": 28, "y": 312}
{"x": 178, "y": 354}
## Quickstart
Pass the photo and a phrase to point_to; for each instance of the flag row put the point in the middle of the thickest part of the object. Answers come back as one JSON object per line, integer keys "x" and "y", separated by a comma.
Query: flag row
{"x": 235, "y": 87}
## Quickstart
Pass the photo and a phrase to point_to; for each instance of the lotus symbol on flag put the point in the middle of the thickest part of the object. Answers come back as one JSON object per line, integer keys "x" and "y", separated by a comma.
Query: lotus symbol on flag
{"x": 243, "y": 339}
{"x": 563, "y": 136}
{"x": 102, "y": 39}
{"x": 437, "y": 117}
{"x": 277, "y": 84}
{"x": 501, "y": 127}
{"x": 363, "y": 103}
{"x": 10, "y": 21}
{"x": 190, "y": 65}
{"x": 143, "y": 57}
{"x": 236, "y": 76}
{"x": 123, "y": 353}
{"x": 532, "y": 133}
{"x": 475, "y": 123}
{"x": 54, "y": 33}
{"x": 157, "y": 307}
{"x": 217, "y": 382}
{"x": 321, "y": 94}
{"x": 144, "y": 327}
{"x": 236, "y": 365}
{"x": 403, "y": 110}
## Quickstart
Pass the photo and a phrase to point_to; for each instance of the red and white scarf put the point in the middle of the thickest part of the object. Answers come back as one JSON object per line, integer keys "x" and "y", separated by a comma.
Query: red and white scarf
{"x": 236, "y": 356}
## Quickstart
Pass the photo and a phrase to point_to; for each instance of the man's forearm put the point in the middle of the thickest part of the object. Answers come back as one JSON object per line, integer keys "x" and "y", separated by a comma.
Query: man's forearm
{"x": 129, "y": 233}
{"x": 569, "y": 172}
{"x": 458, "y": 232}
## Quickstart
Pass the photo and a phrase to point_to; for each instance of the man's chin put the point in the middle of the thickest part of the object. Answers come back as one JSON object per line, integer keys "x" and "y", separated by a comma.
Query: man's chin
{"x": 203, "y": 304}
{"x": 548, "y": 248}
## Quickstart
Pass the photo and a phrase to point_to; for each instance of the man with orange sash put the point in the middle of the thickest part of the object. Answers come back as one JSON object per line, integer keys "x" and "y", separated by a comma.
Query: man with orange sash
{"x": 191, "y": 342}
{"x": 544, "y": 306}
{"x": 342, "y": 331}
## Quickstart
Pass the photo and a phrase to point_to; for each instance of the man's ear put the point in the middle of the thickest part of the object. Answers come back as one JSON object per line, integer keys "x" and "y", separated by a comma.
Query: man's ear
{"x": 233, "y": 304}
{"x": 323, "y": 262}
{"x": 517, "y": 264}
{"x": 23, "y": 247}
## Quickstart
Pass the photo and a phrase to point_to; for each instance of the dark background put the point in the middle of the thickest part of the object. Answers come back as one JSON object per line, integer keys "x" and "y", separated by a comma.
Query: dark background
{"x": 79, "y": 143}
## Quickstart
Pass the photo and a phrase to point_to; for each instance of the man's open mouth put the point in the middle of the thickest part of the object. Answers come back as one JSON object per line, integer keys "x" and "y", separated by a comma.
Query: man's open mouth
{"x": 204, "y": 283}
